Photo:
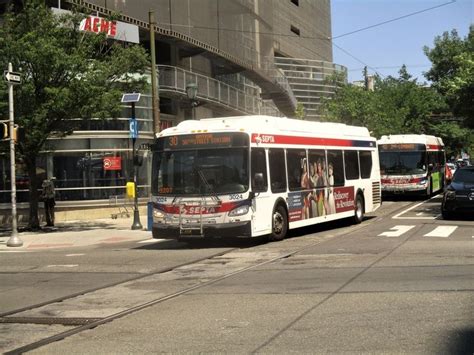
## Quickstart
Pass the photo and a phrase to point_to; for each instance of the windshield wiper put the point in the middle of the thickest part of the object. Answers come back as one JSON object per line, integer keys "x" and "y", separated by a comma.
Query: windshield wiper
{"x": 207, "y": 185}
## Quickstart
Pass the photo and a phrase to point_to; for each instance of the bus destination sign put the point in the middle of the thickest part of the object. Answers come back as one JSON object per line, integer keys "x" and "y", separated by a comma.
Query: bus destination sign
{"x": 402, "y": 146}
{"x": 205, "y": 140}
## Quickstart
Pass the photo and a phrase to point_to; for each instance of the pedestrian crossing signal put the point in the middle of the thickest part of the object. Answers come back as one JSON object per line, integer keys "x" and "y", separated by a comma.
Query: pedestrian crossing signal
{"x": 3, "y": 130}
{"x": 18, "y": 134}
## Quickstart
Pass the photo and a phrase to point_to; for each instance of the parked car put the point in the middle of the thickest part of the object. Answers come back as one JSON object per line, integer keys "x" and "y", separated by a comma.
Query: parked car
{"x": 451, "y": 167}
{"x": 458, "y": 196}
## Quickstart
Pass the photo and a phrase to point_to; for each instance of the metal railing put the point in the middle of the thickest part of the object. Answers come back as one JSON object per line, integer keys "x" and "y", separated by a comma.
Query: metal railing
{"x": 176, "y": 79}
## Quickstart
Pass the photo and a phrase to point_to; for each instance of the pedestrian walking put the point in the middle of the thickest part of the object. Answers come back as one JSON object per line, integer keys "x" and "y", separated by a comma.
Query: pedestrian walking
{"x": 47, "y": 195}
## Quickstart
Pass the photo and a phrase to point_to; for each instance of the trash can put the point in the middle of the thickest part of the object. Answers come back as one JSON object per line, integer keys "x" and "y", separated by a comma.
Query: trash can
{"x": 149, "y": 210}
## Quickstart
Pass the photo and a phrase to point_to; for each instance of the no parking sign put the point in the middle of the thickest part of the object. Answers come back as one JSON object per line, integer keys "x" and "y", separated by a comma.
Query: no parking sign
{"x": 112, "y": 163}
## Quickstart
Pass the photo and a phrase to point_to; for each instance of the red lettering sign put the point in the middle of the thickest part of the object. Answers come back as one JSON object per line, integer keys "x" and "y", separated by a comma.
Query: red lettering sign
{"x": 112, "y": 163}
{"x": 99, "y": 25}
{"x": 344, "y": 199}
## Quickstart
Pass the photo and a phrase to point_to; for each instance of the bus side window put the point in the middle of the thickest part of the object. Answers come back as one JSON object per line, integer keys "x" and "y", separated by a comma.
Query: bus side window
{"x": 259, "y": 166}
{"x": 365, "y": 159}
{"x": 298, "y": 176}
{"x": 351, "y": 164}
{"x": 276, "y": 158}
{"x": 335, "y": 168}
{"x": 318, "y": 172}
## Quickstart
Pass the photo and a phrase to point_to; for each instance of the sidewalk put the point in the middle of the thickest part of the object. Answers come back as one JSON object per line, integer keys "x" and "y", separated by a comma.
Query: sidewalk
{"x": 77, "y": 233}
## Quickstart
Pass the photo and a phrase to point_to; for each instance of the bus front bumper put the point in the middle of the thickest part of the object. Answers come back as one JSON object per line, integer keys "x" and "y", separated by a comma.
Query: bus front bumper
{"x": 224, "y": 230}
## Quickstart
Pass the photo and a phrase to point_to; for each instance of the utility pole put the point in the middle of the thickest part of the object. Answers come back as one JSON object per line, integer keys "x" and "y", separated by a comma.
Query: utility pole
{"x": 154, "y": 90}
{"x": 12, "y": 78}
{"x": 366, "y": 79}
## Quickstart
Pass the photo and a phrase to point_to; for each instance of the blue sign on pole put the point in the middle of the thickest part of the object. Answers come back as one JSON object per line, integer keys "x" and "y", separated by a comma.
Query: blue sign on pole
{"x": 133, "y": 130}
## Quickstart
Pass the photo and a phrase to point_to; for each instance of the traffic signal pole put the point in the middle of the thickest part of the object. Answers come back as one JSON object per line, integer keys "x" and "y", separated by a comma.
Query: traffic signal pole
{"x": 14, "y": 240}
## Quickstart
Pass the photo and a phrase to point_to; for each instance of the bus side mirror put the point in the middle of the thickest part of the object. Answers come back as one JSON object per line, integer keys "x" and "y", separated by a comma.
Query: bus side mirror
{"x": 258, "y": 181}
{"x": 430, "y": 167}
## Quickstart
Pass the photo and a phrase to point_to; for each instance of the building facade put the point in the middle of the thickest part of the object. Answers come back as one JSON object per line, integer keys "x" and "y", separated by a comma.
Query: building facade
{"x": 240, "y": 54}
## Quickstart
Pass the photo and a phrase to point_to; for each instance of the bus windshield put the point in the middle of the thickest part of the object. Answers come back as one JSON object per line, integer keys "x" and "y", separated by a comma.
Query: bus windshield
{"x": 403, "y": 163}
{"x": 200, "y": 171}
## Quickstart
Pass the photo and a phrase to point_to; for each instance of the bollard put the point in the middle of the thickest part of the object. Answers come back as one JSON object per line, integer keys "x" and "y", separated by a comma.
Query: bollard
{"x": 149, "y": 211}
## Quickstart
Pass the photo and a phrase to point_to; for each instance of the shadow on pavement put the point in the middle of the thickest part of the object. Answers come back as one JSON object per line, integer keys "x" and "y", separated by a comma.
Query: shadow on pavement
{"x": 460, "y": 342}
{"x": 243, "y": 243}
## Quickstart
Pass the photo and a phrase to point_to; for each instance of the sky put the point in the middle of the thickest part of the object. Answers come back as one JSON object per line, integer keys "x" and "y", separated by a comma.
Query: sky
{"x": 387, "y": 47}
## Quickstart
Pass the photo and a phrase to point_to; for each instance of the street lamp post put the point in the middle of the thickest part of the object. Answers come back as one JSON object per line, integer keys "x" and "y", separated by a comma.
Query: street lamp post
{"x": 133, "y": 130}
{"x": 191, "y": 92}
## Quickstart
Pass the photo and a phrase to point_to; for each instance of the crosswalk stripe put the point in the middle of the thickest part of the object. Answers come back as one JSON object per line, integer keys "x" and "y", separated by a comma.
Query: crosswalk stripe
{"x": 150, "y": 241}
{"x": 441, "y": 232}
{"x": 396, "y": 231}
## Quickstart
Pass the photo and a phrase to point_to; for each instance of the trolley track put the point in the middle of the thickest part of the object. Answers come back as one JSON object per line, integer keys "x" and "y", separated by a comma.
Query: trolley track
{"x": 80, "y": 324}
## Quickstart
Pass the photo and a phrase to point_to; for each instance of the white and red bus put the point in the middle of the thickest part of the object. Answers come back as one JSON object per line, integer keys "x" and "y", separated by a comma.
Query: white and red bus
{"x": 250, "y": 176}
{"x": 412, "y": 163}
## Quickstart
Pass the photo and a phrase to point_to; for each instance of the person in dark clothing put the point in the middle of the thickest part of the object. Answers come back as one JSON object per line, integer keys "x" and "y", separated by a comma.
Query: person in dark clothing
{"x": 47, "y": 195}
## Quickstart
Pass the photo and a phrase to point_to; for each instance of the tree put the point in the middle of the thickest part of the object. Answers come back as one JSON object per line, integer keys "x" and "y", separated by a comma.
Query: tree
{"x": 397, "y": 105}
{"x": 455, "y": 137}
{"x": 300, "y": 112}
{"x": 66, "y": 74}
{"x": 452, "y": 72}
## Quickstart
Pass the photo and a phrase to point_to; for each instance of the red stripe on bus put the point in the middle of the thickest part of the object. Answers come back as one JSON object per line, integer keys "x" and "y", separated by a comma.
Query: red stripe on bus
{"x": 277, "y": 139}
{"x": 396, "y": 181}
{"x": 193, "y": 210}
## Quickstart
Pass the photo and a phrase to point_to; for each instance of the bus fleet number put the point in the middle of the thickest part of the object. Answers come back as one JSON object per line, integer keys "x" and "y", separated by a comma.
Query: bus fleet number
{"x": 236, "y": 197}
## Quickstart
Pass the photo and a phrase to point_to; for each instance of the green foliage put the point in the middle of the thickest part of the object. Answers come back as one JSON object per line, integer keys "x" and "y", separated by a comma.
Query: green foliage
{"x": 66, "y": 74}
{"x": 396, "y": 106}
{"x": 455, "y": 137}
{"x": 452, "y": 72}
{"x": 300, "y": 111}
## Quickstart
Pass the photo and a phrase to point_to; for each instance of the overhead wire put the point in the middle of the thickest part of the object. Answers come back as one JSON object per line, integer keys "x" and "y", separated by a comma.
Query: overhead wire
{"x": 318, "y": 37}
{"x": 394, "y": 19}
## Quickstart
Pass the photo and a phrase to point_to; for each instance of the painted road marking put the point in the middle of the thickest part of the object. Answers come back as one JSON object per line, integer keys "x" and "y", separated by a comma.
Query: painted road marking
{"x": 151, "y": 241}
{"x": 75, "y": 254}
{"x": 441, "y": 232}
{"x": 398, "y": 216}
{"x": 396, "y": 231}
{"x": 66, "y": 265}
{"x": 20, "y": 251}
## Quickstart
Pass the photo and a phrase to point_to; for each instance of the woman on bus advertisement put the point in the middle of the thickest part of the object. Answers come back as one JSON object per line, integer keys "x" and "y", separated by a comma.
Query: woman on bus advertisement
{"x": 320, "y": 184}
{"x": 331, "y": 203}
{"x": 305, "y": 185}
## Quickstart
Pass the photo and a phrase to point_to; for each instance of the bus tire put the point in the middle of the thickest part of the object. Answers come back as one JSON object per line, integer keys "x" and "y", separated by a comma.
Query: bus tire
{"x": 358, "y": 209}
{"x": 279, "y": 224}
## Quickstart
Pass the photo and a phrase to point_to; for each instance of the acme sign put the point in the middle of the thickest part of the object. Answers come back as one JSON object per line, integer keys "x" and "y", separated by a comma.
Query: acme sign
{"x": 117, "y": 30}
{"x": 121, "y": 31}
{"x": 99, "y": 25}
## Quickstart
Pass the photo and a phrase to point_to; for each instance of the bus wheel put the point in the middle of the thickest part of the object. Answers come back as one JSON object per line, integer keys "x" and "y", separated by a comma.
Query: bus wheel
{"x": 358, "y": 209}
{"x": 279, "y": 224}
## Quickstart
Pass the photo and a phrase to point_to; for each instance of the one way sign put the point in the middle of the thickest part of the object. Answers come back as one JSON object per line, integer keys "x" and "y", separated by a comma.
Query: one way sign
{"x": 11, "y": 77}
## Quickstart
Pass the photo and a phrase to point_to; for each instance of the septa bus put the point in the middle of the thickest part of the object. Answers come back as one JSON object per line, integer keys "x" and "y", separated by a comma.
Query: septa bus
{"x": 251, "y": 176}
{"x": 412, "y": 163}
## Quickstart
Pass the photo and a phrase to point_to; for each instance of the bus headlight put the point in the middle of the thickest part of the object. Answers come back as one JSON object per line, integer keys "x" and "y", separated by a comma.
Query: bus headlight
{"x": 239, "y": 211}
{"x": 423, "y": 181}
{"x": 158, "y": 214}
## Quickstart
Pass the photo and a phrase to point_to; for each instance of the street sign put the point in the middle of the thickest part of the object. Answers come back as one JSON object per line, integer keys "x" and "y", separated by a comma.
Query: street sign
{"x": 112, "y": 163}
{"x": 133, "y": 130}
{"x": 11, "y": 77}
{"x": 131, "y": 98}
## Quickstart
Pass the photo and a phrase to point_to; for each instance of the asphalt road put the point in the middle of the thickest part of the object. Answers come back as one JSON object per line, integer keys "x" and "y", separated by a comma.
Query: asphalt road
{"x": 402, "y": 281}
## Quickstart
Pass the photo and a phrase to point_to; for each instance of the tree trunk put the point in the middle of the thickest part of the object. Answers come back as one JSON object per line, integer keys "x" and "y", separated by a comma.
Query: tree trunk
{"x": 33, "y": 220}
